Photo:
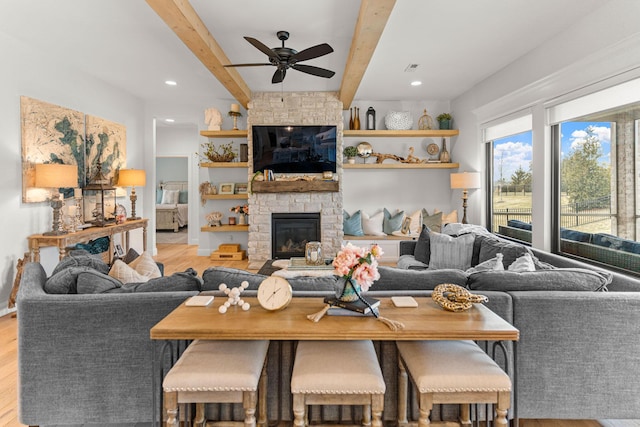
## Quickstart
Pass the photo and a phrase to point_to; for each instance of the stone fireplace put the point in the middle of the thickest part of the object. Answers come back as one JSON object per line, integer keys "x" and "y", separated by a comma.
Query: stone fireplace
{"x": 290, "y": 232}
{"x": 301, "y": 108}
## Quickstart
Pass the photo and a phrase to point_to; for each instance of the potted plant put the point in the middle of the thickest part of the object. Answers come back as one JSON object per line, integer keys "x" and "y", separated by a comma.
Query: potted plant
{"x": 444, "y": 120}
{"x": 350, "y": 153}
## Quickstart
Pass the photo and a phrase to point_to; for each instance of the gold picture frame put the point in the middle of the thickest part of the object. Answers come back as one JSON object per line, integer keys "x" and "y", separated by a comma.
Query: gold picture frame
{"x": 241, "y": 188}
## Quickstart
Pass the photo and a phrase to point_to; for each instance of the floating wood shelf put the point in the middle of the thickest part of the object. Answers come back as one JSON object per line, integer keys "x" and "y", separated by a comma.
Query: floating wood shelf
{"x": 224, "y": 133}
{"x": 224, "y": 165}
{"x": 225, "y": 196}
{"x": 401, "y": 133}
{"x": 220, "y": 228}
{"x": 401, "y": 165}
{"x": 294, "y": 186}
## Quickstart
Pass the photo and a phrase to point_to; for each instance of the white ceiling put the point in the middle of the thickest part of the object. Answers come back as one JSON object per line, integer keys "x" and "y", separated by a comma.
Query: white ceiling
{"x": 457, "y": 43}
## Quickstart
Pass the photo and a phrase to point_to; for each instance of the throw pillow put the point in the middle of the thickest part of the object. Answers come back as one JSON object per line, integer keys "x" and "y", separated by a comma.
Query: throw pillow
{"x": 450, "y": 252}
{"x": 65, "y": 281}
{"x": 146, "y": 266}
{"x": 523, "y": 263}
{"x": 170, "y": 197}
{"x": 183, "y": 197}
{"x": 93, "y": 282}
{"x": 422, "y": 250}
{"x": 393, "y": 222}
{"x": 490, "y": 246}
{"x": 416, "y": 222}
{"x": 177, "y": 282}
{"x": 450, "y": 218}
{"x": 352, "y": 224}
{"x": 560, "y": 279}
{"x": 125, "y": 273}
{"x": 433, "y": 222}
{"x": 372, "y": 225}
{"x": 81, "y": 257}
{"x": 158, "y": 196}
{"x": 493, "y": 264}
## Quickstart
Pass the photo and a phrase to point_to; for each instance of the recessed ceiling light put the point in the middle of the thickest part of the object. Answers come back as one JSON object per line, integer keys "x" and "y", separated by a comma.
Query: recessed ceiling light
{"x": 416, "y": 83}
{"x": 169, "y": 120}
{"x": 170, "y": 82}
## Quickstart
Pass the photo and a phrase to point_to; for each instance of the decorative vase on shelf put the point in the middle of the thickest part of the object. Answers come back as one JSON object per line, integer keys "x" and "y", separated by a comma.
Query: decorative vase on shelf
{"x": 350, "y": 291}
{"x": 356, "y": 120}
{"x": 398, "y": 120}
{"x": 350, "y": 118}
{"x": 242, "y": 220}
{"x": 444, "y": 154}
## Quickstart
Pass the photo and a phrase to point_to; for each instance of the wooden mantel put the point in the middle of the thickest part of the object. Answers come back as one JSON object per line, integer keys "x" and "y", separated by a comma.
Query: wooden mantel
{"x": 300, "y": 186}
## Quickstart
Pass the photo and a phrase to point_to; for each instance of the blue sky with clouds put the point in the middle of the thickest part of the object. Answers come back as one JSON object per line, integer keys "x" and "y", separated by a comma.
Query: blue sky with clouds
{"x": 513, "y": 152}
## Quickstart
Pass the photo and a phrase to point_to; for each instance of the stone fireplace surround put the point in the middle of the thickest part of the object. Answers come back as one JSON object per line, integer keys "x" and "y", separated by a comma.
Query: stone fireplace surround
{"x": 294, "y": 108}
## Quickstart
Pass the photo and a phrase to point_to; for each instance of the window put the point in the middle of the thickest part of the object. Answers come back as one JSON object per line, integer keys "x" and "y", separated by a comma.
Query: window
{"x": 597, "y": 199}
{"x": 509, "y": 154}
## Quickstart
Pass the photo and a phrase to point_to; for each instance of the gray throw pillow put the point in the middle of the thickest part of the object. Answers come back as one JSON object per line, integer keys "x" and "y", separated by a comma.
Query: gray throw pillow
{"x": 450, "y": 252}
{"x": 560, "y": 279}
{"x": 80, "y": 257}
{"x": 94, "y": 282}
{"x": 392, "y": 279}
{"x": 184, "y": 281}
{"x": 422, "y": 251}
{"x": 64, "y": 281}
{"x": 232, "y": 277}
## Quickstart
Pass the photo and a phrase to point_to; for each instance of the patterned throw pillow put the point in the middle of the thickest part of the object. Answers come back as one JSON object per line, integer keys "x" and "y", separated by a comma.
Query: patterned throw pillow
{"x": 146, "y": 266}
{"x": 125, "y": 274}
{"x": 393, "y": 222}
{"x": 450, "y": 252}
{"x": 352, "y": 224}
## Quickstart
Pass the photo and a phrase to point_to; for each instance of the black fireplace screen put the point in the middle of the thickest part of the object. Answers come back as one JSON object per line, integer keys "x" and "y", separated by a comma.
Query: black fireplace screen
{"x": 290, "y": 232}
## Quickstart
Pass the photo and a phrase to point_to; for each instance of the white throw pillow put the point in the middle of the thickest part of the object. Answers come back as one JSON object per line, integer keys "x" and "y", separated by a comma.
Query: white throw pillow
{"x": 493, "y": 264}
{"x": 146, "y": 266}
{"x": 523, "y": 263}
{"x": 372, "y": 225}
{"x": 170, "y": 197}
{"x": 125, "y": 274}
{"x": 450, "y": 252}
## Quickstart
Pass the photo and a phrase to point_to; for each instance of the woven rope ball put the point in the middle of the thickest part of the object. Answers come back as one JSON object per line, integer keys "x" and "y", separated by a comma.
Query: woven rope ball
{"x": 455, "y": 298}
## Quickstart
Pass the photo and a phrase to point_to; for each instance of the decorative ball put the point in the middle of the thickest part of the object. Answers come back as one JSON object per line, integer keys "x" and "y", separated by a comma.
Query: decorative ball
{"x": 235, "y": 292}
{"x": 222, "y": 286}
{"x": 246, "y": 306}
{"x": 398, "y": 120}
{"x": 222, "y": 309}
{"x": 244, "y": 284}
{"x": 227, "y": 304}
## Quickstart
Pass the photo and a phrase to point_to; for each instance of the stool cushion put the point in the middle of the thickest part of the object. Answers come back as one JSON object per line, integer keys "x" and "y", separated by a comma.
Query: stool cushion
{"x": 218, "y": 366}
{"x": 452, "y": 366}
{"x": 336, "y": 367}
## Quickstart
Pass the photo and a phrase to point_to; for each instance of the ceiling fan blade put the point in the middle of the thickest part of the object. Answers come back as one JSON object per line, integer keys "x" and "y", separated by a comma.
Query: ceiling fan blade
{"x": 278, "y": 76}
{"x": 247, "y": 65}
{"x": 311, "y": 52}
{"x": 263, "y": 48}
{"x": 316, "y": 71}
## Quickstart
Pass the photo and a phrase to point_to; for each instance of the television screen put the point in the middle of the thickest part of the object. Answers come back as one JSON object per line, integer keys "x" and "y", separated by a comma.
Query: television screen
{"x": 294, "y": 149}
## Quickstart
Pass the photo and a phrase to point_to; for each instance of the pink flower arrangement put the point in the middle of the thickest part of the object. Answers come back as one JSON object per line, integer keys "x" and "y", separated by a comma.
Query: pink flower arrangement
{"x": 359, "y": 264}
{"x": 240, "y": 209}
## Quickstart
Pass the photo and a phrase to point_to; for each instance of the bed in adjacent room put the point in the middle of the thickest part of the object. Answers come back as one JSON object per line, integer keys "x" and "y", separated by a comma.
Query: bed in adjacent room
{"x": 172, "y": 211}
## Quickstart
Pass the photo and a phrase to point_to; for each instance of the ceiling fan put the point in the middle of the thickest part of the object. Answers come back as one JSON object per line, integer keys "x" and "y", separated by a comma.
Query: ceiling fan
{"x": 285, "y": 58}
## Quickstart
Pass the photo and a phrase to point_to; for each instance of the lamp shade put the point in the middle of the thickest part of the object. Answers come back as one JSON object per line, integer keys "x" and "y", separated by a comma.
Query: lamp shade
{"x": 55, "y": 175}
{"x": 132, "y": 178}
{"x": 465, "y": 180}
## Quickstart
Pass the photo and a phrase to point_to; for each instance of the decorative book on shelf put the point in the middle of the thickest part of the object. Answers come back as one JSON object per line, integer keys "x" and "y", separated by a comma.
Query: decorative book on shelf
{"x": 358, "y": 306}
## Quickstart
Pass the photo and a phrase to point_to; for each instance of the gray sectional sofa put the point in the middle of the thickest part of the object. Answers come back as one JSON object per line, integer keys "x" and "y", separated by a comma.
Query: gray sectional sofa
{"x": 86, "y": 358}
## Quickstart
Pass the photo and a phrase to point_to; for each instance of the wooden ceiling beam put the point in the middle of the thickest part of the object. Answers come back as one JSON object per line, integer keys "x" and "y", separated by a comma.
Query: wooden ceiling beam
{"x": 372, "y": 18}
{"x": 180, "y": 16}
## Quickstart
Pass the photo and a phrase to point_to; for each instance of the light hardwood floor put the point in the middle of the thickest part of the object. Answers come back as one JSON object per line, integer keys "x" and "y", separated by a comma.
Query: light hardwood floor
{"x": 178, "y": 258}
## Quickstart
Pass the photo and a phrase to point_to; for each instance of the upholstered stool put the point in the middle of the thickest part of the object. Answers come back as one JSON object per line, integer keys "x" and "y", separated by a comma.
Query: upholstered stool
{"x": 451, "y": 372}
{"x": 219, "y": 372}
{"x": 337, "y": 373}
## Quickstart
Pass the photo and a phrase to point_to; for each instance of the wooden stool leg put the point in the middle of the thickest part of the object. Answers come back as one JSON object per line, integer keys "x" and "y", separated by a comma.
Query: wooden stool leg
{"x": 426, "y": 404}
{"x": 377, "y": 406}
{"x": 465, "y": 417}
{"x": 298, "y": 410}
{"x": 403, "y": 393}
{"x": 171, "y": 408}
{"x": 262, "y": 397}
{"x": 249, "y": 401}
{"x": 366, "y": 415}
{"x": 199, "y": 419}
{"x": 502, "y": 408}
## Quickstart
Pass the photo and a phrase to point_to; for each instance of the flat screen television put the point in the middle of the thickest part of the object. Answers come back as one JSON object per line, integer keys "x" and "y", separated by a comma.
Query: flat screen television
{"x": 294, "y": 149}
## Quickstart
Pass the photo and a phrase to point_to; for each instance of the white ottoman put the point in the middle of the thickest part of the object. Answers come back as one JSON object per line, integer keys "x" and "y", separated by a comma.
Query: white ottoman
{"x": 218, "y": 372}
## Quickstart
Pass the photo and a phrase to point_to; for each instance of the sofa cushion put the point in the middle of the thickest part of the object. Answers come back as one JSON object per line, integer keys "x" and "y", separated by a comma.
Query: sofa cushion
{"x": 372, "y": 225}
{"x": 490, "y": 247}
{"x": 391, "y": 222}
{"x": 450, "y": 252}
{"x": 577, "y": 236}
{"x": 392, "y": 279}
{"x": 81, "y": 257}
{"x": 422, "y": 251}
{"x": 409, "y": 262}
{"x": 232, "y": 277}
{"x": 560, "y": 279}
{"x": 516, "y": 223}
{"x": 64, "y": 281}
{"x": 94, "y": 282}
{"x": 352, "y": 224}
{"x": 187, "y": 280}
{"x": 615, "y": 242}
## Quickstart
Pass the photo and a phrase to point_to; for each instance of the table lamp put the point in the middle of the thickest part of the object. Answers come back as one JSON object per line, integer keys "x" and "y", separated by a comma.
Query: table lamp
{"x": 56, "y": 176}
{"x": 466, "y": 181}
{"x": 132, "y": 178}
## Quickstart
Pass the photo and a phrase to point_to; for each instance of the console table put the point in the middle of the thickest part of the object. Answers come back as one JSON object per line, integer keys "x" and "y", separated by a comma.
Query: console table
{"x": 37, "y": 241}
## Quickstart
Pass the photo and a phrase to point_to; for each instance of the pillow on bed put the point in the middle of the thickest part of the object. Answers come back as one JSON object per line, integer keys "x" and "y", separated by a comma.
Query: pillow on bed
{"x": 170, "y": 197}
{"x": 158, "y": 196}
{"x": 183, "y": 197}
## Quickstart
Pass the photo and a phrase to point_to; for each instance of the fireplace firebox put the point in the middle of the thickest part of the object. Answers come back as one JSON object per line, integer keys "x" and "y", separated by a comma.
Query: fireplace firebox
{"x": 290, "y": 232}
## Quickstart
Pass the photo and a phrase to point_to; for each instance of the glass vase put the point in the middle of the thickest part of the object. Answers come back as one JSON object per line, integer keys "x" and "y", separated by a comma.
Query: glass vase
{"x": 350, "y": 291}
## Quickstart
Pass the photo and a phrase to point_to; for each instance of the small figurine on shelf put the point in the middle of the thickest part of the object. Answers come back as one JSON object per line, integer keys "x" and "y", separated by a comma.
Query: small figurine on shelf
{"x": 213, "y": 118}
{"x": 235, "y": 113}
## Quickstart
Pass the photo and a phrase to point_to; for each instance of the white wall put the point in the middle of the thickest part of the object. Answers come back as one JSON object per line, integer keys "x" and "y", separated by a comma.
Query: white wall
{"x": 598, "y": 51}
{"x": 44, "y": 76}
